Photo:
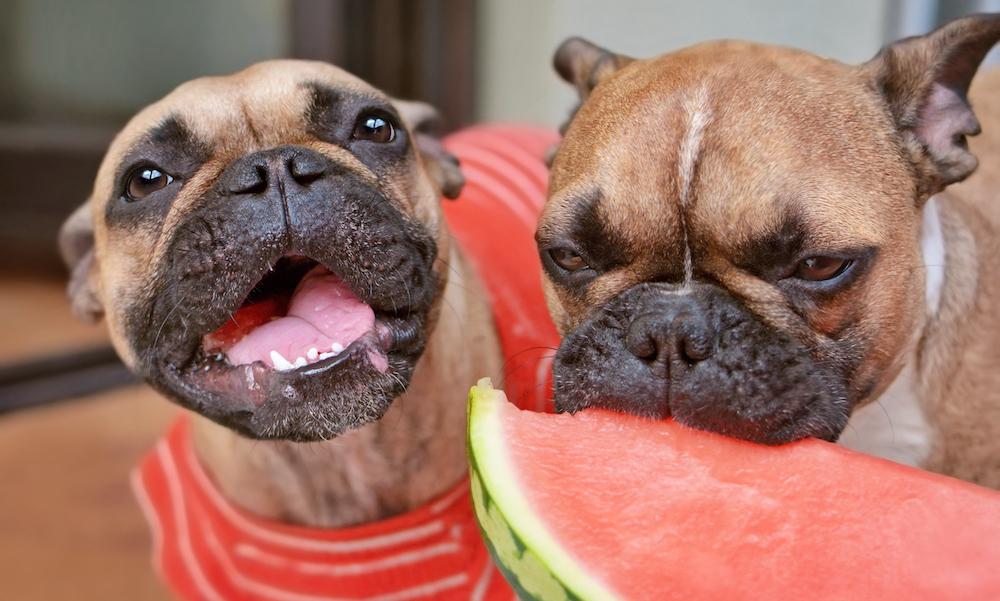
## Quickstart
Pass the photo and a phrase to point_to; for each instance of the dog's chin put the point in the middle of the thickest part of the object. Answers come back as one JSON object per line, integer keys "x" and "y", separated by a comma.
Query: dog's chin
{"x": 321, "y": 390}
{"x": 756, "y": 420}
{"x": 314, "y": 402}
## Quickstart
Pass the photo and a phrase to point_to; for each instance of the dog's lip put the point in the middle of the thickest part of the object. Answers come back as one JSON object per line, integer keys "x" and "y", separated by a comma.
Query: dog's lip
{"x": 380, "y": 339}
{"x": 244, "y": 388}
{"x": 373, "y": 341}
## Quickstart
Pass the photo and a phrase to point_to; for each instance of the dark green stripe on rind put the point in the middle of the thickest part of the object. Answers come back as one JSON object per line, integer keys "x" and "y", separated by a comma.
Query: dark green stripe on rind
{"x": 526, "y": 573}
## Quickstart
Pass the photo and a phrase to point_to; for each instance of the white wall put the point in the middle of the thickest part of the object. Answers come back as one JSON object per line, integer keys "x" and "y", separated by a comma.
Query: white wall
{"x": 517, "y": 39}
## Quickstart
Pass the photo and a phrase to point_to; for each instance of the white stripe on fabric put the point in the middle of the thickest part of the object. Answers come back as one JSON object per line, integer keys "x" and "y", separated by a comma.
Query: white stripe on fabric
{"x": 517, "y": 157}
{"x": 180, "y": 517}
{"x": 306, "y": 544}
{"x": 448, "y": 500}
{"x": 497, "y": 164}
{"x": 254, "y": 553}
{"x": 535, "y": 164}
{"x": 483, "y": 583}
{"x": 270, "y": 592}
{"x": 152, "y": 518}
{"x": 498, "y": 190}
{"x": 431, "y": 589}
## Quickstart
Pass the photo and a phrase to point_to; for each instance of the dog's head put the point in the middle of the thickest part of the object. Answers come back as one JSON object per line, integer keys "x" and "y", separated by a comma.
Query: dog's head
{"x": 264, "y": 247}
{"x": 732, "y": 230}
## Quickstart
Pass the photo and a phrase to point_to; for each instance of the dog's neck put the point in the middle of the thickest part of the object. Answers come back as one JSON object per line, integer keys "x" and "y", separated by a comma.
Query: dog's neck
{"x": 413, "y": 454}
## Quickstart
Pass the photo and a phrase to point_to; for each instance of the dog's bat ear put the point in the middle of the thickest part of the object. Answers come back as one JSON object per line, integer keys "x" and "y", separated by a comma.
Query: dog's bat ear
{"x": 76, "y": 245}
{"x": 583, "y": 65}
{"x": 925, "y": 83}
{"x": 421, "y": 119}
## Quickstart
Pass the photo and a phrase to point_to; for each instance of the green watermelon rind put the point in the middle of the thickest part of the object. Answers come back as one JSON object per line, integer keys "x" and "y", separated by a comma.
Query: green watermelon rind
{"x": 512, "y": 563}
{"x": 531, "y": 559}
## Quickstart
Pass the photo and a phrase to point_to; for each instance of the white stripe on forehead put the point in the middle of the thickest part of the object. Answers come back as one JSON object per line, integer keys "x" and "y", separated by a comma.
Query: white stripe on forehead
{"x": 697, "y": 113}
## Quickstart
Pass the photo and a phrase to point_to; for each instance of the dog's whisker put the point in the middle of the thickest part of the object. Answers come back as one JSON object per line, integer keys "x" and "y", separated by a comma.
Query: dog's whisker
{"x": 165, "y": 319}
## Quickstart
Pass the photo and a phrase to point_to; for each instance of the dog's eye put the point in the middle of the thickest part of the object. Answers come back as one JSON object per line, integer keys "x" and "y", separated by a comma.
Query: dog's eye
{"x": 374, "y": 128}
{"x": 145, "y": 180}
{"x": 567, "y": 259}
{"x": 818, "y": 269}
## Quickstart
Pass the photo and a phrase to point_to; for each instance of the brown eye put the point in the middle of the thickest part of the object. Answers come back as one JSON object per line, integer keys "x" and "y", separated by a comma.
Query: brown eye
{"x": 818, "y": 269}
{"x": 567, "y": 259}
{"x": 374, "y": 129}
{"x": 144, "y": 181}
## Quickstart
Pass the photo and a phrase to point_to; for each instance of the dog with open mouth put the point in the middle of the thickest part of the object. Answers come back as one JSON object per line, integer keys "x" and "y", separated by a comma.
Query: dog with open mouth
{"x": 758, "y": 242}
{"x": 268, "y": 250}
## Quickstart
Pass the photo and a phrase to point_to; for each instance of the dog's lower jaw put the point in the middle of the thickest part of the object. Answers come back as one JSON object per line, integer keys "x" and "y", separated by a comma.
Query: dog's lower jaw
{"x": 413, "y": 454}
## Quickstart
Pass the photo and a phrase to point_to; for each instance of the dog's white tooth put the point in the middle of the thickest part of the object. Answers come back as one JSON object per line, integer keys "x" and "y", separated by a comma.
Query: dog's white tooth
{"x": 249, "y": 377}
{"x": 337, "y": 347}
{"x": 280, "y": 363}
{"x": 300, "y": 362}
{"x": 312, "y": 354}
{"x": 327, "y": 355}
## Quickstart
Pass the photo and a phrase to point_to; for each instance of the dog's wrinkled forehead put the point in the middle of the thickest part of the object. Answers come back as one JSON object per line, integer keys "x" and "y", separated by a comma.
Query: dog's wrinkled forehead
{"x": 262, "y": 103}
{"x": 730, "y": 142}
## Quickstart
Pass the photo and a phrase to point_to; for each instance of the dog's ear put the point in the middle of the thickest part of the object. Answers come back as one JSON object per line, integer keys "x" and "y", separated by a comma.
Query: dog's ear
{"x": 583, "y": 65}
{"x": 76, "y": 245}
{"x": 421, "y": 119}
{"x": 925, "y": 83}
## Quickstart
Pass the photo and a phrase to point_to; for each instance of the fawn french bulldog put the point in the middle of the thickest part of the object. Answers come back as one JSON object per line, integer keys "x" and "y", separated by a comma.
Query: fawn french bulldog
{"x": 770, "y": 245}
{"x": 268, "y": 249}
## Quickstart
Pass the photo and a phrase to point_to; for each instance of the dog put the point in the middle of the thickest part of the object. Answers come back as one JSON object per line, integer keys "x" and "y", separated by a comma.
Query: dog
{"x": 268, "y": 250}
{"x": 771, "y": 245}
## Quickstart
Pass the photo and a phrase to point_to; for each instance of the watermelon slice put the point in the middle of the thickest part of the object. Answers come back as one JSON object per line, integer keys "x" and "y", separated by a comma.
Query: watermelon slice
{"x": 600, "y": 505}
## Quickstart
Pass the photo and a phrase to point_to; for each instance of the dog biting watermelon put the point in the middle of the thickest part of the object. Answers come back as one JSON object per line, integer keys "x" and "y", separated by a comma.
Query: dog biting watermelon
{"x": 600, "y": 505}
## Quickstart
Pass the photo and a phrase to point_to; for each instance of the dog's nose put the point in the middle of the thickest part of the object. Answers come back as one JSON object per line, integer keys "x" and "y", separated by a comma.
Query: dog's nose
{"x": 676, "y": 330}
{"x": 255, "y": 173}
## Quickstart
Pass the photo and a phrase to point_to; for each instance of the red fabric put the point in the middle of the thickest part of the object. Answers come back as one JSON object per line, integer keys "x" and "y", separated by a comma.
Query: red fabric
{"x": 207, "y": 549}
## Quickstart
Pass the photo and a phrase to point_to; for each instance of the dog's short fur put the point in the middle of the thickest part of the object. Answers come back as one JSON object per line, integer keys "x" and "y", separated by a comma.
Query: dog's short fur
{"x": 266, "y": 163}
{"x": 736, "y": 235}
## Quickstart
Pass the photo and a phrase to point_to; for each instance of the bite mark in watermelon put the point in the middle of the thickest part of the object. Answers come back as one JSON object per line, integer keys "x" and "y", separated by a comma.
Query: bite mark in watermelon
{"x": 600, "y": 505}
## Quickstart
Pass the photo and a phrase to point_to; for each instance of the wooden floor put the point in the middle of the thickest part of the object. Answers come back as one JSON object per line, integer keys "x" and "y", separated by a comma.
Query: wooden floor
{"x": 69, "y": 527}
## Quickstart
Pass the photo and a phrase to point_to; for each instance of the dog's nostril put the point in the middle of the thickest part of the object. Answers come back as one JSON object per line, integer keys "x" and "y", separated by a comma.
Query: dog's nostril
{"x": 641, "y": 344}
{"x": 262, "y": 175}
{"x": 693, "y": 350}
{"x": 306, "y": 168}
{"x": 251, "y": 180}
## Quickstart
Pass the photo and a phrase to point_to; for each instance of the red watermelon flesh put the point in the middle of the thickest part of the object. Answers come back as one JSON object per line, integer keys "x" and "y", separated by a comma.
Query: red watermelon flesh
{"x": 655, "y": 510}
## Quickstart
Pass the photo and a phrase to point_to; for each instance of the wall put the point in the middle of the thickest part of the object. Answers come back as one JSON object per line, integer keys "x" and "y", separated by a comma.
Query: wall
{"x": 517, "y": 39}
{"x": 101, "y": 59}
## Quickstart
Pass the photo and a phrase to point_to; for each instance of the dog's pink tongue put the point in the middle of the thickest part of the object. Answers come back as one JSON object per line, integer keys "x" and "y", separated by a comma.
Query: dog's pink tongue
{"x": 324, "y": 316}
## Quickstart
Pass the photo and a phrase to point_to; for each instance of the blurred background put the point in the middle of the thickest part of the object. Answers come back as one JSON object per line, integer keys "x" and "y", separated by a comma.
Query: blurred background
{"x": 72, "y": 422}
